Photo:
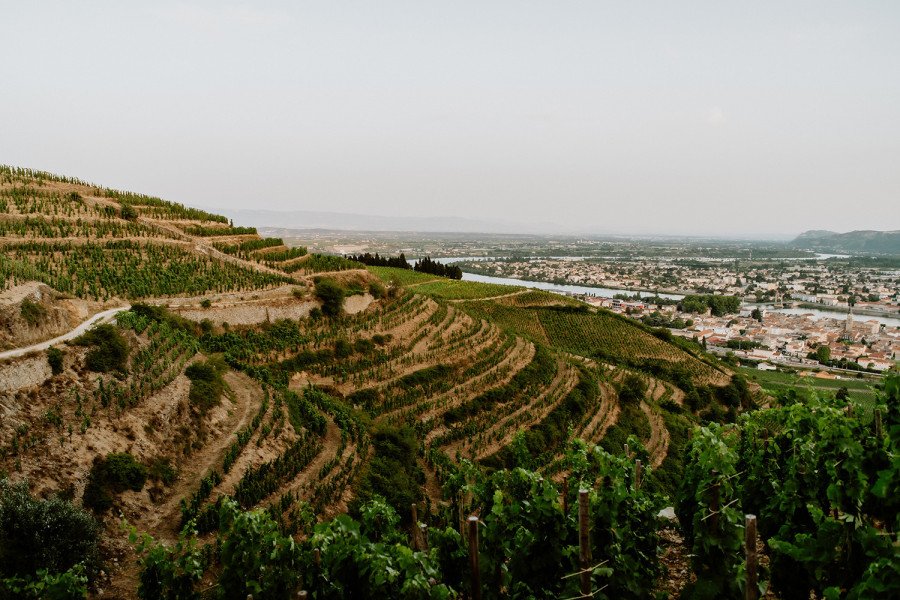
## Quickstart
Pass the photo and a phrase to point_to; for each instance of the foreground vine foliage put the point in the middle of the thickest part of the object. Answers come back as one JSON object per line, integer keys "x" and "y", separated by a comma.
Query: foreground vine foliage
{"x": 822, "y": 478}
{"x": 527, "y": 543}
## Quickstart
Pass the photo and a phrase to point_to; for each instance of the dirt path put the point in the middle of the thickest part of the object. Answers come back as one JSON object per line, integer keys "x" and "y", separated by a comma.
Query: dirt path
{"x": 248, "y": 396}
{"x": 418, "y": 283}
{"x": 606, "y": 416}
{"x": 101, "y": 317}
{"x": 658, "y": 444}
{"x": 509, "y": 295}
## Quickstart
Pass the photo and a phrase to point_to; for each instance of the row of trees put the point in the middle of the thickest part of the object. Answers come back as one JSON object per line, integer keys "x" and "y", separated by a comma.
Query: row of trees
{"x": 397, "y": 262}
{"x": 426, "y": 265}
{"x": 716, "y": 304}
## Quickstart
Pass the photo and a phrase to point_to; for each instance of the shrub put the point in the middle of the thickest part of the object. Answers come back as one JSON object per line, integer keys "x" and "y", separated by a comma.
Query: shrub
{"x": 108, "y": 352}
{"x": 69, "y": 585}
{"x": 55, "y": 360}
{"x": 632, "y": 390}
{"x": 206, "y": 303}
{"x": 363, "y": 346}
{"x": 206, "y": 327}
{"x": 50, "y": 534}
{"x": 381, "y": 340}
{"x": 332, "y": 296}
{"x": 128, "y": 212}
{"x": 377, "y": 290}
{"x": 118, "y": 472}
{"x": 161, "y": 469}
{"x": 342, "y": 349}
{"x": 33, "y": 312}
{"x": 207, "y": 384}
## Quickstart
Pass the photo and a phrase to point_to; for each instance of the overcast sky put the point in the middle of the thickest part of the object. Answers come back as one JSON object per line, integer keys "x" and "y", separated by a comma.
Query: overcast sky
{"x": 637, "y": 117}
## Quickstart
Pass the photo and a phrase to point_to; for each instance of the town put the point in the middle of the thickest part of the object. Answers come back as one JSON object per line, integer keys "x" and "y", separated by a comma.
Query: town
{"x": 832, "y": 313}
{"x": 836, "y": 282}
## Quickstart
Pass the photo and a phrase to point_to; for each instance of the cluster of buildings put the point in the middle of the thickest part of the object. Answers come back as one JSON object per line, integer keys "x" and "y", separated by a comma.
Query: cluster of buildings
{"x": 793, "y": 338}
{"x": 769, "y": 336}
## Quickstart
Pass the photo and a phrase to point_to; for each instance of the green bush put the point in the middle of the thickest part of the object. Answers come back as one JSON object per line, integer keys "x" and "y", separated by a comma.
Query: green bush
{"x": 33, "y": 312}
{"x": 342, "y": 349}
{"x": 118, "y": 472}
{"x": 632, "y": 421}
{"x": 50, "y": 534}
{"x": 109, "y": 351}
{"x": 128, "y": 212}
{"x": 55, "y": 360}
{"x": 633, "y": 389}
{"x": 377, "y": 290}
{"x": 331, "y": 294}
{"x": 363, "y": 346}
{"x": 207, "y": 384}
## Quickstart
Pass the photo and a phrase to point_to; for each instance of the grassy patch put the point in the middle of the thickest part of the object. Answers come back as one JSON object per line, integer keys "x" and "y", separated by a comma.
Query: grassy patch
{"x": 402, "y": 276}
{"x": 34, "y": 313}
{"x": 452, "y": 289}
{"x": 777, "y": 381}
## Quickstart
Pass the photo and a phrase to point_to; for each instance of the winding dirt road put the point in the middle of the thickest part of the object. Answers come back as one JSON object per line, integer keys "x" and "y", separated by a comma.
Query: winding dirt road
{"x": 101, "y": 317}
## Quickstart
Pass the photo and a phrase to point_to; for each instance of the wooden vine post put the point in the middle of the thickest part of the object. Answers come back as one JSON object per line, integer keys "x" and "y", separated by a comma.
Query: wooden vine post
{"x": 565, "y": 495}
{"x": 638, "y": 469}
{"x": 473, "y": 558}
{"x": 751, "y": 589}
{"x": 415, "y": 527}
{"x": 878, "y": 423}
{"x": 584, "y": 541}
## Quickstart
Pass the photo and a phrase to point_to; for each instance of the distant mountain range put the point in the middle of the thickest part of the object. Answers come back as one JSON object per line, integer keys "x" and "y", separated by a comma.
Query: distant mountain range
{"x": 875, "y": 242}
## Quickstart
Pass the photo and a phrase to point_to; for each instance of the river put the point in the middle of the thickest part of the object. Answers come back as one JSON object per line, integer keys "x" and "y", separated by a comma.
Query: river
{"x": 817, "y": 314}
{"x": 558, "y": 287}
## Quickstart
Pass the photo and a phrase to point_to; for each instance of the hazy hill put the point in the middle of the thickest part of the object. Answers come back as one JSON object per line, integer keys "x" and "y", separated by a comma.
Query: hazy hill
{"x": 875, "y": 242}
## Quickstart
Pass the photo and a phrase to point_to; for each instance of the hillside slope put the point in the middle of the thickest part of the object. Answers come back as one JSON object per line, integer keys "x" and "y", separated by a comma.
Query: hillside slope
{"x": 872, "y": 242}
{"x": 298, "y": 383}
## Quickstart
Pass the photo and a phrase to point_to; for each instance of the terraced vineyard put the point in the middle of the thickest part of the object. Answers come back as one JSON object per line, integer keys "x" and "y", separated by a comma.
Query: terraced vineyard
{"x": 306, "y": 416}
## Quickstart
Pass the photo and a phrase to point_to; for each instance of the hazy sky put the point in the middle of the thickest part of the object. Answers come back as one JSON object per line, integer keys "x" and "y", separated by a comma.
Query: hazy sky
{"x": 667, "y": 117}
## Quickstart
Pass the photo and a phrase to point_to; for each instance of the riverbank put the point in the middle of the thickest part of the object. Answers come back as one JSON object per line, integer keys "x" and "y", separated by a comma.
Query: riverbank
{"x": 587, "y": 288}
{"x": 856, "y": 311}
{"x": 560, "y": 287}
